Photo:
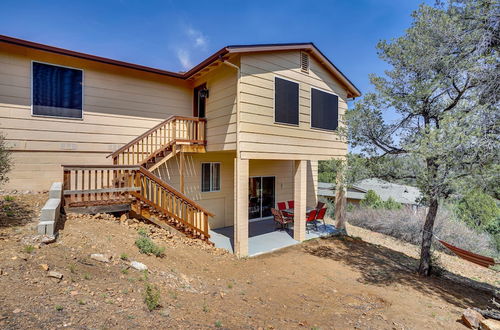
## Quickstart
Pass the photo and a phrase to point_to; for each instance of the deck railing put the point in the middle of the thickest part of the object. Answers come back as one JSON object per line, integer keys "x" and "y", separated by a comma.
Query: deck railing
{"x": 175, "y": 129}
{"x": 86, "y": 185}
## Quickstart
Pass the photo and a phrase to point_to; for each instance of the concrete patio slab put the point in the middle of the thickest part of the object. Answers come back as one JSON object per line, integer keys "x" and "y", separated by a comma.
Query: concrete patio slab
{"x": 265, "y": 238}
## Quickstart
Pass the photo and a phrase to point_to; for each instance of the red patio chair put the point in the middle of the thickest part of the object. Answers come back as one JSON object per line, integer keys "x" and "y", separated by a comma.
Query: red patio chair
{"x": 320, "y": 205}
{"x": 282, "y": 207}
{"x": 311, "y": 218}
{"x": 291, "y": 204}
{"x": 321, "y": 215}
{"x": 280, "y": 219}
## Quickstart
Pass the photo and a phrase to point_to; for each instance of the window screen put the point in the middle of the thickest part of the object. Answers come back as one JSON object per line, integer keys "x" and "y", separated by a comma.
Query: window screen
{"x": 324, "y": 110}
{"x": 210, "y": 177}
{"x": 286, "y": 101}
{"x": 57, "y": 91}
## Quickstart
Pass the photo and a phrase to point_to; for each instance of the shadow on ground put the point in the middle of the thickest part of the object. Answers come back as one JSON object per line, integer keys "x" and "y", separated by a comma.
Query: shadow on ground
{"x": 13, "y": 213}
{"x": 381, "y": 266}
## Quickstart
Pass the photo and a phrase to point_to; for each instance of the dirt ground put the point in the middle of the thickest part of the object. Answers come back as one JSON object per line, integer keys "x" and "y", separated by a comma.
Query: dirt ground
{"x": 321, "y": 284}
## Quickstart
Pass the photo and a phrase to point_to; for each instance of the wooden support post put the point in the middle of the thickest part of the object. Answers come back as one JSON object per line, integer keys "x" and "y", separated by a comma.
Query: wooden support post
{"x": 300, "y": 200}
{"x": 241, "y": 170}
{"x": 181, "y": 171}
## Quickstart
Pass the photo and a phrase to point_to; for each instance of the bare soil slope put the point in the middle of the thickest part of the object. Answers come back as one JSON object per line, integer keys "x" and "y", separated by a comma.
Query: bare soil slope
{"x": 324, "y": 284}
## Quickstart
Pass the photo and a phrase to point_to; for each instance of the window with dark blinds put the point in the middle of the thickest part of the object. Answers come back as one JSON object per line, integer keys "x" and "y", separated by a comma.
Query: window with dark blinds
{"x": 286, "y": 101}
{"x": 324, "y": 110}
{"x": 57, "y": 91}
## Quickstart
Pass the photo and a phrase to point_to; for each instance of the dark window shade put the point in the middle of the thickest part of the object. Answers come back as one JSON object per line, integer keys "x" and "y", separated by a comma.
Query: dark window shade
{"x": 57, "y": 91}
{"x": 205, "y": 177}
{"x": 210, "y": 177}
{"x": 324, "y": 110}
{"x": 286, "y": 101}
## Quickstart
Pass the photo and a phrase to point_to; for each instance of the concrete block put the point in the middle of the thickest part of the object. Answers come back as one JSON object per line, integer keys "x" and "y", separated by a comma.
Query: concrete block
{"x": 46, "y": 228}
{"x": 51, "y": 210}
{"x": 56, "y": 190}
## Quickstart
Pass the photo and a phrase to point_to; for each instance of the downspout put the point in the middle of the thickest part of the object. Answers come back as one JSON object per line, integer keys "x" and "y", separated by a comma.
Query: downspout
{"x": 237, "y": 103}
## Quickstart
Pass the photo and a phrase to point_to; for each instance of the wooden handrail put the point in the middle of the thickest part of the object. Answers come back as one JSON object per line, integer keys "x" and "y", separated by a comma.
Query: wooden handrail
{"x": 174, "y": 191}
{"x": 152, "y": 130}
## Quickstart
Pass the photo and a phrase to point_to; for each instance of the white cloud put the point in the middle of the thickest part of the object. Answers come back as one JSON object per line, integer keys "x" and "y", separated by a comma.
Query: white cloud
{"x": 184, "y": 57}
{"x": 198, "y": 38}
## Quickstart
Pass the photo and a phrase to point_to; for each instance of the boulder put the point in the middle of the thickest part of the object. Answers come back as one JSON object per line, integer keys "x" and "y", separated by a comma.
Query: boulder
{"x": 139, "y": 266}
{"x": 100, "y": 257}
{"x": 123, "y": 217}
{"x": 471, "y": 318}
{"x": 489, "y": 324}
{"x": 45, "y": 267}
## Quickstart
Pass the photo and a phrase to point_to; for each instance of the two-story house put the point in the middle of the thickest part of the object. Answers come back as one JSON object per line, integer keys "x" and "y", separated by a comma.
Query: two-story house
{"x": 216, "y": 146}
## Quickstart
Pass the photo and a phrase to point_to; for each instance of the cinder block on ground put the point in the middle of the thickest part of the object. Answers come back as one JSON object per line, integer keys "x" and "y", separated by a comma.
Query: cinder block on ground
{"x": 56, "y": 190}
{"x": 51, "y": 210}
{"x": 46, "y": 228}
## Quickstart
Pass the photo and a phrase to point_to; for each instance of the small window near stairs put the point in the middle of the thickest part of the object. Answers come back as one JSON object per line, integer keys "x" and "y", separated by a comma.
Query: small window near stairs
{"x": 210, "y": 177}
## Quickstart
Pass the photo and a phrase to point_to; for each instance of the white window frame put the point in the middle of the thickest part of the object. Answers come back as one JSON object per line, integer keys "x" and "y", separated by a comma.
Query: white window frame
{"x": 211, "y": 177}
{"x": 311, "y": 110}
{"x": 62, "y": 66}
{"x": 274, "y": 101}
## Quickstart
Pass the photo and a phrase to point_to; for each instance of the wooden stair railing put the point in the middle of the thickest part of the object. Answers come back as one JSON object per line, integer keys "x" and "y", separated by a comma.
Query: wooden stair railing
{"x": 158, "y": 141}
{"x": 151, "y": 197}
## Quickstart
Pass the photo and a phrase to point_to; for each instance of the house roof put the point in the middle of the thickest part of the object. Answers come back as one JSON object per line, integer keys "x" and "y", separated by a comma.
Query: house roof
{"x": 353, "y": 91}
{"x": 400, "y": 193}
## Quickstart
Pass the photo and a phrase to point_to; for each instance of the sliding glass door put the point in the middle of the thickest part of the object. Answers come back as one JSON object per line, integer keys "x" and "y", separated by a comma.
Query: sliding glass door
{"x": 261, "y": 196}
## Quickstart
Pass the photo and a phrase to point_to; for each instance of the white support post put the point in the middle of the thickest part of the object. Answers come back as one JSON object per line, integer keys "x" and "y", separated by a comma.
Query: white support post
{"x": 241, "y": 170}
{"x": 300, "y": 200}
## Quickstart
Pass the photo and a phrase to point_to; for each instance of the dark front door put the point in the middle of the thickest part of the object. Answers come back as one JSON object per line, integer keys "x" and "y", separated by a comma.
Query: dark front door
{"x": 199, "y": 102}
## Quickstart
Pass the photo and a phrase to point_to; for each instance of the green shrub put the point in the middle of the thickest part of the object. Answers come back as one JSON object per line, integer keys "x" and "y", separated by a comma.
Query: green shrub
{"x": 8, "y": 198}
{"x": 152, "y": 297}
{"x": 391, "y": 204}
{"x": 5, "y": 162}
{"x": 480, "y": 211}
{"x": 372, "y": 200}
{"x": 143, "y": 231}
{"x": 147, "y": 246}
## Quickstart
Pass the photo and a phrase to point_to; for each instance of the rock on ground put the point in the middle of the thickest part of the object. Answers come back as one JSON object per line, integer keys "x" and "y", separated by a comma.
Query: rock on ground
{"x": 139, "y": 266}
{"x": 55, "y": 275}
{"x": 471, "y": 318}
{"x": 489, "y": 324}
{"x": 100, "y": 257}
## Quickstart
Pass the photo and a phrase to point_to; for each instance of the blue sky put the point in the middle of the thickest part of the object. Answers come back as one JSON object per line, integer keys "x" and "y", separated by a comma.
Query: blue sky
{"x": 174, "y": 35}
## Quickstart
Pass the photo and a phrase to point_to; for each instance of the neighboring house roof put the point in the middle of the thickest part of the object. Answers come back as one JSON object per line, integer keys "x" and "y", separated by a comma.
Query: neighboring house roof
{"x": 400, "y": 193}
{"x": 353, "y": 91}
{"x": 328, "y": 190}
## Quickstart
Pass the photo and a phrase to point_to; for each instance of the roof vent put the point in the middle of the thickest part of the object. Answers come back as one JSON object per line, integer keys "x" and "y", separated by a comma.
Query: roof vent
{"x": 304, "y": 62}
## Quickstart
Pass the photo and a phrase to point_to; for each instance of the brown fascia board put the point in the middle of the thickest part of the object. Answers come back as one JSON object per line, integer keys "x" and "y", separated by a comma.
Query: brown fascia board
{"x": 354, "y": 92}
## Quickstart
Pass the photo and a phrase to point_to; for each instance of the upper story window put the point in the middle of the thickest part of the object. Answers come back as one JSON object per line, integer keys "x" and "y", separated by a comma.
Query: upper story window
{"x": 57, "y": 91}
{"x": 286, "y": 101}
{"x": 210, "y": 177}
{"x": 324, "y": 110}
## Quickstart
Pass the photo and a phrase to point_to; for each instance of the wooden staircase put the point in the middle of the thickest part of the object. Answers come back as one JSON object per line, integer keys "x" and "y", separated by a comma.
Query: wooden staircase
{"x": 130, "y": 181}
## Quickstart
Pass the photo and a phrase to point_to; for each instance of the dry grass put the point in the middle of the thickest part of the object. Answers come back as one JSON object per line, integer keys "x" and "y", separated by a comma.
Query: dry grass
{"x": 406, "y": 224}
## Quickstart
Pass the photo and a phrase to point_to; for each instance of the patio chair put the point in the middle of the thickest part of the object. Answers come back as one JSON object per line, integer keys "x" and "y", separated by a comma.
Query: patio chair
{"x": 321, "y": 215}
{"x": 311, "y": 219}
{"x": 320, "y": 205}
{"x": 280, "y": 219}
{"x": 282, "y": 207}
{"x": 291, "y": 204}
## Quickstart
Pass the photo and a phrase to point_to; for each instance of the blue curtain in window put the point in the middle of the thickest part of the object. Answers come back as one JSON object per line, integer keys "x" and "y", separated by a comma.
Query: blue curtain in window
{"x": 57, "y": 91}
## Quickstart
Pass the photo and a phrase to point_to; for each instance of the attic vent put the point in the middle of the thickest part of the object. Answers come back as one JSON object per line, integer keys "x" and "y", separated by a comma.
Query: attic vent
{"x": 304, "y": 62}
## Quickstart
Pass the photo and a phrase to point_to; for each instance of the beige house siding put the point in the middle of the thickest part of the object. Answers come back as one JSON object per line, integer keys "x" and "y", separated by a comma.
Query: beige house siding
{"x": 221, "y": 203}
{"x": 221, "y": 108}
{"x": 259, "y": 135}
{"x": 119, "y": 104}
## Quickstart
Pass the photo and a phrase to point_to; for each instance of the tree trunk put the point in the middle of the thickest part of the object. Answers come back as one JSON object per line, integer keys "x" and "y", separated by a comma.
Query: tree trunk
{"x": 340, "y": 201}
{"x": 425, "y": 253}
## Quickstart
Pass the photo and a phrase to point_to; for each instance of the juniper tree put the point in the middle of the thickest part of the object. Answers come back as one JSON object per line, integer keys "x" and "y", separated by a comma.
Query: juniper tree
{"x": 439, "y": 86}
